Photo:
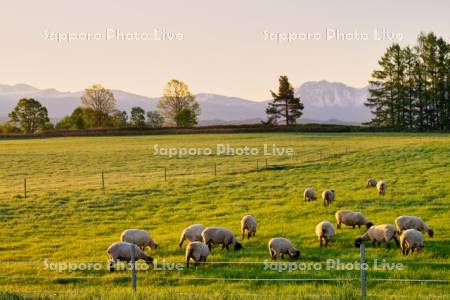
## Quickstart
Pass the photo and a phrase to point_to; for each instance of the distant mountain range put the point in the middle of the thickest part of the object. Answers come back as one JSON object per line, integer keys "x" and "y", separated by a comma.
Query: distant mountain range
{"x": 325, "y": 102}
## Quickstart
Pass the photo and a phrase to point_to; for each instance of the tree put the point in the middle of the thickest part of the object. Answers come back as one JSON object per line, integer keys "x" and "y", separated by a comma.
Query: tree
{"x": 101, "y": 101}
{"x": 137, "y": 117}
{"x": 154, "y": 119}
{"x": 119, "y": 119}
{"x": 30, "y": 115}
{"x": 81, "y": 118}
{"x": 177, "y": 97}
{"x": 285, "y": 105}
{"x": 186, "y": 118}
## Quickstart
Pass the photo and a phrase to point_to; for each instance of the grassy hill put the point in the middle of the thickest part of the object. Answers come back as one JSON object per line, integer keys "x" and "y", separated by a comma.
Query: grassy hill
{"x": 68, "y": 218}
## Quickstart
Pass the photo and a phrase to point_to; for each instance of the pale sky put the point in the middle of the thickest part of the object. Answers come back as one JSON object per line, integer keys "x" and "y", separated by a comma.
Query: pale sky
{"x": 223, "y": 47}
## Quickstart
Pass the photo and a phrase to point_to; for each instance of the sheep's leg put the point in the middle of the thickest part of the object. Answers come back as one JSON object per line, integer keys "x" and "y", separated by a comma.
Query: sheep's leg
{"x": 248, "y": 235}
{"x": 243, "y": 233}
{"x": 353, "y": 226}
{"x": 320, "y": 241}
{"x": 374, "y": 242}
{"x": 326, "y": 242}
{"x": 338, "y": 225}
{"x": 396, "y": 241}
{"x": 228, "y": 247}
{"x": 223, "y": 246}
{"x": 209, "y": 245}
{"x": 282, "y": 255}
{"x": 187, "y": 262}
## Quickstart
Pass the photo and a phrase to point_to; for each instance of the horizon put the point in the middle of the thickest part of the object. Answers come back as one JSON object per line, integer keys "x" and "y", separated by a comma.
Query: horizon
{"x": 197, "y": 44}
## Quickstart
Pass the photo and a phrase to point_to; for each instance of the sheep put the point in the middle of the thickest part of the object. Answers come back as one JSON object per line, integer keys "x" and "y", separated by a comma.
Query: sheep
{"x": 324, "y": 230}
{"x": 279, "y": 245}
{"x": 381, "y": 187}
{"x": 198, "y": 251}
{"x": 412, "y": 222}
{"x": 371, "y": 183}
{"x": 139, "y": 237}
{"x": 351, "y": 218}
{"x": 121, "y": 251}
{"x": 309, "y": 194}
{"x": 192, "y": 233}
{"x": 219, "y": 235}
{"x": 328, "y": 197}
{"x": 411, "y": 239}
{"x": 248, "y": 223}
{"x": 378, "y": 233}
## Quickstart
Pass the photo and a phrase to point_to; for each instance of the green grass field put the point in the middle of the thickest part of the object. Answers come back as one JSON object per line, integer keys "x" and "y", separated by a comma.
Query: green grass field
{"x": 68, "y": 218}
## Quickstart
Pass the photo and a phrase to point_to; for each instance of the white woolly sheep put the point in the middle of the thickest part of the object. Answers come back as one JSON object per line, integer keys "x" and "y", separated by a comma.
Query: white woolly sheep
{"x": 328, "y": 197}
{"x": 192, "y": 233}
{"x": 138, "y": 237}
{"x": 379, "y": 233}
{"x": 351, "y": 218}
{"x": 309, "y": 194}
{"x": 411, "y": 239}
{"x": 198, "y": 251}
{"x": 219, "y": 235}
{"x": 248, "y": 223}
{"x": 281, "y": 246}
{"x": 324, "y": 230}
{"x": 371, "y": 183}
{"x": 412, "y": 222}
{"x": 381, "y": 187}
{"x": 122, "y": 251}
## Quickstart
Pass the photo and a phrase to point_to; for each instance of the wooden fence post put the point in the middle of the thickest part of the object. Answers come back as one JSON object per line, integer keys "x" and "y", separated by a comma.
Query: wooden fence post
{"x": 215, "y": 169}
{"x": 103, "y": 180}
{"x": 133, "y": 268}
{"x": 266, "y": 163}
{"x": 363, "y": 271}
{"x": 257, "y": 165}
{"x": 25, "y": 187}
{"x": 165, "y": 173}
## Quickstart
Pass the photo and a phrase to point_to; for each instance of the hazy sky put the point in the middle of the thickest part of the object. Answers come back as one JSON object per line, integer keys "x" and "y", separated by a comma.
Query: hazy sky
{"x": 223, "y": 47}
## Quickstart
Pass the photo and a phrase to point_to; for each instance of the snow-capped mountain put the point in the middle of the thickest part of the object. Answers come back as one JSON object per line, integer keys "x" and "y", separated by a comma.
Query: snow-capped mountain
{"x": 323, "y": 101}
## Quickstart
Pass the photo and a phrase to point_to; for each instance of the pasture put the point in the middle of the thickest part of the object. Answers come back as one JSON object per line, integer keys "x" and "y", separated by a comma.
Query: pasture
{"x": 68, "y": 218}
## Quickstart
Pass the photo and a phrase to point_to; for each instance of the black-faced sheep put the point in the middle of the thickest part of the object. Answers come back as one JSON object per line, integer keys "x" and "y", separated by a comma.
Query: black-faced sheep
{"x": 351, "y": 218}
{"x": 328, "y": 196}
{"x": 411, "y": 239}
{"x": 219, "y": 235}
{"x": 324, "y": 230}
{"x": 309, "y": 194}
{"x": 248, "y": 223}
{"x": 371, "y": 183}
{"x": 121, "y": 251}
{"x": 379, "y": 233}
{"x": 198, "y": 251}
{"x": 192, "y": 233}
{"x": 280, "y": 246}
{"x": 138, "y": 237}
{"x": 381, "y": 187}
{"x": 412, "y": 222}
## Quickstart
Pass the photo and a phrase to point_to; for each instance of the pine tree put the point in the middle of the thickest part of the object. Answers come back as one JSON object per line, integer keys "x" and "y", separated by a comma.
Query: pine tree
{"x": 284, "y": 106}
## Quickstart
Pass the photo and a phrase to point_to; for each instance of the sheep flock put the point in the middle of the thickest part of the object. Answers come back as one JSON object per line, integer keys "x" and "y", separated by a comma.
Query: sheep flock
{"x": 406, "y": 232}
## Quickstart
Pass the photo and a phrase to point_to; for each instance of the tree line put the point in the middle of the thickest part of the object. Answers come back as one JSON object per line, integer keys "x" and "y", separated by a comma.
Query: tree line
{"x": 177, "y": 108}
{"x": 411, "y": 88}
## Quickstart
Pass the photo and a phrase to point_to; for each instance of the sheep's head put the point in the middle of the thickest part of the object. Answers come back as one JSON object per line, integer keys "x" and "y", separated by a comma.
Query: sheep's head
{"x": 369, "y": 224}
{"x": 430, "y": 232}
{"x": 154, "y": 246}
{"x": 148, "y": 259}
{"x": 294, "y": 253}
{"x": 314, "y": 198}
{"x": 358, "y": 242}
{"x": 237, "y": 246}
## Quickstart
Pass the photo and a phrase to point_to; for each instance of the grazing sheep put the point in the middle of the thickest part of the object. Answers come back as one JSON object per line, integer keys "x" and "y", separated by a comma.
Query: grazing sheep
{"x": 411, "y": 239}
{"x": 381, "y": 187}
{"x": 192, "y": 233}
{"x": 309, "y": 194}
{"x": 282, "y": 246}
{"x": 138, "y": 237}
{"x": 412, "y": 222}
{"x": 198, "y": 251}
{"x": 328, "y": 197}
{"x": 219, "y": 235}
{"x": 379, "y": 233}
{"x": 351, "y": 218}
{"x": 371, "y": 183}
{"x": 324, "y": 230}
{"x": 122, "y": 251}
{"x": 248, "y": 223}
